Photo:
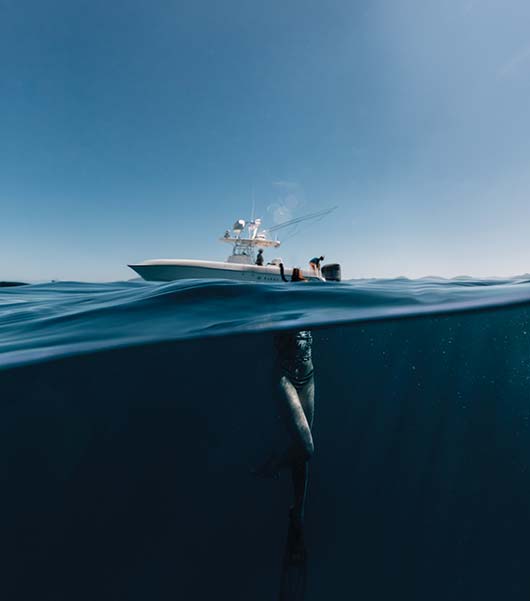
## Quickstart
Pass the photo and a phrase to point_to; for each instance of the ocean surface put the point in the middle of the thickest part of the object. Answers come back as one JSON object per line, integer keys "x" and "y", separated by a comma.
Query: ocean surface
{"x": 132, "y": 414}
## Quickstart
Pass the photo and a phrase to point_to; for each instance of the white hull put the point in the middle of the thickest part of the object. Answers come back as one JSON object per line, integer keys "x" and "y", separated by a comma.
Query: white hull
{"x": 167, "y": 270}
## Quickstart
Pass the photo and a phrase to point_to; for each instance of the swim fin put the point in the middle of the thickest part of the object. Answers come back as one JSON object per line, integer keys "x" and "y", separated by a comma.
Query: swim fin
{"x": 294, "y": 569}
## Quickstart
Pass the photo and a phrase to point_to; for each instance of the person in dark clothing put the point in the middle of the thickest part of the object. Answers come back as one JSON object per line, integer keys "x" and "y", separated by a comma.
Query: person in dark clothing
{"x": 314, "y": 263}
{"x": 296, "y": 399}
{"x": 259, "y": 258}
{"x": 297, "y": 276}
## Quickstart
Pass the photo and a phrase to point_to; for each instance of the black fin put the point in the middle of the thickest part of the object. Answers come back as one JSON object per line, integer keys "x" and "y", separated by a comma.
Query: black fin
{"x": 294, "y": 569}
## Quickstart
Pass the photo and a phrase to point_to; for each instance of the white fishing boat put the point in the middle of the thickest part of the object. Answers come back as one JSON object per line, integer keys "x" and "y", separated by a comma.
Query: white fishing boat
{"x": 245, "y": 237}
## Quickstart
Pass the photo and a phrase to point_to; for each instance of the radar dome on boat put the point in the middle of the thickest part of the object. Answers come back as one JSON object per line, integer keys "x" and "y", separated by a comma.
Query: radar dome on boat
{"x": 239, "y": 225}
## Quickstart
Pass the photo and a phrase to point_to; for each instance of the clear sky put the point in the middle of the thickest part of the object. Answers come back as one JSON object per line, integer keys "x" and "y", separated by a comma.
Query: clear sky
{"x": 132, "y": 130}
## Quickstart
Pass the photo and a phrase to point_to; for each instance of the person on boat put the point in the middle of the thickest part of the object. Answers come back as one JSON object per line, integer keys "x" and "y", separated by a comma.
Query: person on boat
{"x": 259, "y": 258}
{"x": 297, "y": 276}
{"x": 314, "y": 264}
{"x": 296, "y": 396}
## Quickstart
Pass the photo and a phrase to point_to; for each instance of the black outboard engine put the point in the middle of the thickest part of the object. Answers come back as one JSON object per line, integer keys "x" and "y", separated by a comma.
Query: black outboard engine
{"x": 331, "y": 272}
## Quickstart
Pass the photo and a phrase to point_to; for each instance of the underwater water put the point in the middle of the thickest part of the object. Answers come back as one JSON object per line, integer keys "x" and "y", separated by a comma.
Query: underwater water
{"x": 132, "y": 414}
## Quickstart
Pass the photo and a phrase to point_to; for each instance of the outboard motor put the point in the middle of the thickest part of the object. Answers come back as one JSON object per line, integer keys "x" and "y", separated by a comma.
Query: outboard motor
{"x": 331, "y": 272}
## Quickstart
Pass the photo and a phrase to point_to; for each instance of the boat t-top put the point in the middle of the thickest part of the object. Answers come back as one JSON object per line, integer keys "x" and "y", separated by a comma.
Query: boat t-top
{"x": 245, "y": 237}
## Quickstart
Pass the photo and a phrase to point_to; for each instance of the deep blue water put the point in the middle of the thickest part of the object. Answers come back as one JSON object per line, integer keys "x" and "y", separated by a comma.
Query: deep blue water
{"x": 132, "y": 413}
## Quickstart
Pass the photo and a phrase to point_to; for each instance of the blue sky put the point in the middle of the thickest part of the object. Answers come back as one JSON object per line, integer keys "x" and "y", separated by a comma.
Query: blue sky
{"x": 134, "y": 130}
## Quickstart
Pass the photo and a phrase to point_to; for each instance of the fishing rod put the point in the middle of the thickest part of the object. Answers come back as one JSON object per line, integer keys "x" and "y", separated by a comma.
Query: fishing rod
{"x": 298, "y": 220}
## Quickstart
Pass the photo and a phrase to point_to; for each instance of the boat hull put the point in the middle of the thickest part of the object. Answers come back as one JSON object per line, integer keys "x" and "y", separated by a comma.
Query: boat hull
{"x": 168, "y": 270}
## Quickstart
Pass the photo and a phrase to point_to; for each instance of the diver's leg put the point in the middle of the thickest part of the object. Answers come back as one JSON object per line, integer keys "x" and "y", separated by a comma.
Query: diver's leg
{"x": 293, "y": 413}
{"x": 297, "y": 408}
{"x": 297, "y": 415}
{"x": 300, "y": 476}
{"x": 300, "y": 469}
{"x": 307, "y": 399}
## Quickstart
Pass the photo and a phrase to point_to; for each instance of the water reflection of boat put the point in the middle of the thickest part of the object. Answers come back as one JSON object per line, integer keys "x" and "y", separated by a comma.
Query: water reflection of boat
{"x": 245, "y": 237}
